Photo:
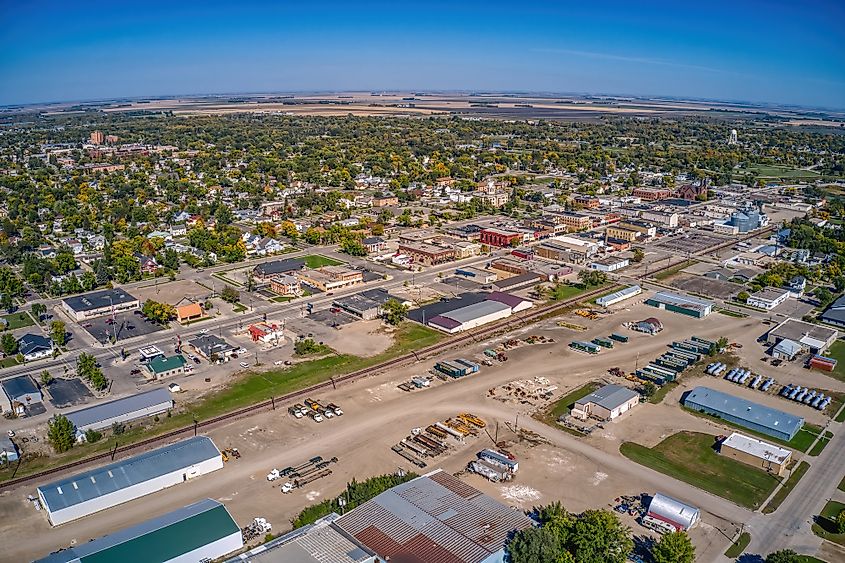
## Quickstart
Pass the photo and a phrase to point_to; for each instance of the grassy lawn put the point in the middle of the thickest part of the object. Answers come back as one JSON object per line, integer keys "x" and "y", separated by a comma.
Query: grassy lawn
{"x": 561, "y": 406}
{"x": 690, "y": 457}
{"x": 8, "y": 362}
{"x": 281, "y": 299}
{"x": 250, "y": 388}
{"x": 825, "y": 526}
{"x": 665, "y": 274}
{"x": 199, "y": 320}
{"x": 736, "y": 548}
{"x": 784, "y": 491}
{"x": 563, "y": 292}
{"x": 238, "y": 307}
{"x": 801, "y": 442}
{"x": 318, "y": 261}
{"x": 817, "y": 449}
{"x": 18, "y": 320}
{"x": 837, "y": 352}
{"x": 774, "y": 171}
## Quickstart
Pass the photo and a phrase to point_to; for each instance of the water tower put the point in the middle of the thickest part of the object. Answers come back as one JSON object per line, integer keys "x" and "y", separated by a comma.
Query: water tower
{"x": 732, "y": 139}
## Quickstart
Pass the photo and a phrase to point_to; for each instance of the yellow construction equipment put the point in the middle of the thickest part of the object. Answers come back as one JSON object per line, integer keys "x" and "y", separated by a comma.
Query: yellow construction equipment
{"x": 435, "y": 431}
{"x": 472, "y": 419}
{"x": 460, "y": 426}
{"x": 571, "y": 326}
{"x": 587, "y": 314}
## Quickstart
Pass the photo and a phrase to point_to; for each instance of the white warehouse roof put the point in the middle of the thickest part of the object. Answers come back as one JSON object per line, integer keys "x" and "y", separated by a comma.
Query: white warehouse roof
{"x": 88, "y": 485}
{"x": 89, "y": 417}
{"x": 757, "y": 448}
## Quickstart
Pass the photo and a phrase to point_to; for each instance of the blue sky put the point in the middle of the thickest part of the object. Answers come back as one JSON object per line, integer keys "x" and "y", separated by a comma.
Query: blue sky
{"x": 777, "y": 51}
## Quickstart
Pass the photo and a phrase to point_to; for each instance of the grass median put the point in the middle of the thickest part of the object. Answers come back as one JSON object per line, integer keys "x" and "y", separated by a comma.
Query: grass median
{"x": 737, "y": 547}
{"x": 825, "y": 525}
{"x": 690, "y": 457}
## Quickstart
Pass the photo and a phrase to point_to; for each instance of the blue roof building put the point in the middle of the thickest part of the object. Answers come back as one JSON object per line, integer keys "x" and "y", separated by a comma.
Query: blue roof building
{"x": 129, "y": 408}
{"x": 747, "y": 414}
{"x": 91, "y": 491}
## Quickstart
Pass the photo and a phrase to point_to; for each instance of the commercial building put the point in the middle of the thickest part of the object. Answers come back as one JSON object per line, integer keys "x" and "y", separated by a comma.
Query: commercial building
{"x": 426, "y": 253}
{"x": 127, "y": 409}
{"x": 267, "y": 270}
{"x": 674, "y": 512}
{"x": 609, "y": 264}
{"x": 22, "y": 392}
{"x": 566, "y": 249}
{"x": 835, "y": 313}
{"x": 212, "y": 347}
{"x": 516, "y": 303}
{"x": 320, "y": 542}
{"x": 434, "y": 518}
{"x": 477, "y": 274}
{"x": 189, "y": 312}
{"x": 366, "y": 305}
{"x": 753, "y": 416}
{"x": 683, "y": 304}
{"x": 374, "y": 244}
{"x": 573, "y": 221}
{"x": 500, "y": 237}
{"x": 622, "y": 233}
{"x": 98, "y": 489}
{"x": 767, "y": 298}
{"x": 98, "y": 304}
{"x": 643, "y": 227}
{"x": 330, "y": 278}
{"x": 266, "y": 333}
{"x": 651, "y": 194}
{"x": 607, "y": 403}
{"x": 756, "y": 452}
{"x": 618, "y": 296}
{"x": 203, "y": 531}
{"x": 667, "y": 219}
{"x": 285, "y": 284}
{"x": 471, "y": 316}
{"x": 34, "y": 347}
{"x": 812, "y": 337}
{"x": 649, "y": 326}
{"x": 162, "y": 366}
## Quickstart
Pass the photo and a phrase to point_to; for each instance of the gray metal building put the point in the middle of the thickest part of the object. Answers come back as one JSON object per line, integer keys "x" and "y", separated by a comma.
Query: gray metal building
{"x": 748, "y": 414}
{"x": 98, "y": 489}
{"x": 130, "y": 408}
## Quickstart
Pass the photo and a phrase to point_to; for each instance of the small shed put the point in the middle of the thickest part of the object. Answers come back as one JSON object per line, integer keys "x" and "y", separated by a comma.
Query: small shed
{"x": 786, "y": 349}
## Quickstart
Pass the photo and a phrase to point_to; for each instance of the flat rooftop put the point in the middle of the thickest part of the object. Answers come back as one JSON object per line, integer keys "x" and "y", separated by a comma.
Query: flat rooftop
{"x": 106, "y": 411}
{"x": 98, "y": 300}
{"x": 794, "y": 329}
{"x": 757, "y": 448}
{"x": 746, "y": 410}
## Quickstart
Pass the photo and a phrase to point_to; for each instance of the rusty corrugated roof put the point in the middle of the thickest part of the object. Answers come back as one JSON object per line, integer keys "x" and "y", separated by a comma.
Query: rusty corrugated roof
{"x": 435, "y": 518}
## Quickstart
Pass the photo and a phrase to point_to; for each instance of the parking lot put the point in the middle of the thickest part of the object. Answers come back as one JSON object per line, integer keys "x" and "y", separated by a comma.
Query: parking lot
{"x": 125, "y": 326}
{"x": 68, "y": 393}
{"x": 332, "y": 317}
{"x": 690, "y": 242}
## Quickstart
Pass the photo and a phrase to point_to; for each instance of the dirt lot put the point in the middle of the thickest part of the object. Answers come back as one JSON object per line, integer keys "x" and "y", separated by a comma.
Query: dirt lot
{"x": 582, "y": 473}
{"x": 171, "y": 292}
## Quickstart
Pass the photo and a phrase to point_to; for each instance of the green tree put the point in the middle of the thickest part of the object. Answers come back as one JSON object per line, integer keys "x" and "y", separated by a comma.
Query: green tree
{"x": 61, "y": 433}
{"x": 592, "y": 278}
{"x": 46, "y": 378}
{"x": 394, "y": 312}
{"x": 58, "y": 332}
{"x": 638, "y": 256}
{"x": 536, "y": 545}
{"x": 92, "y": 436}
{"x": 674, "y": 547}
{"x": 160, "y": 313}
{"x": 649, "y": 389}
{"x": 784, "y": 556}
{"x": 9, "y": 344}
{"x": 353, "y": 247}
{"x": 742, "y": 296}
{"x": 598, "y": 535}
{"x": 824, "y": 296}
{"x": 306, "y": 346}
{"x": 840, "y": 521}
{"x": 98, "y": 380}
{"x": 38, "y": 310}
{"x": 229, "y": 294}
{"x": 88, "y": 281}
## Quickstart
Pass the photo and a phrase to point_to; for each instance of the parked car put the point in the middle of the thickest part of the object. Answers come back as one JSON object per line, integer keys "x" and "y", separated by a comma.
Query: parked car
{"x": 135, "y": 371}
{"x": 244, "y": 365}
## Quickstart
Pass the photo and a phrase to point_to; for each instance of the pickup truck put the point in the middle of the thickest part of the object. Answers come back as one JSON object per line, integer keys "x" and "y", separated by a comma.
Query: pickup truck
{"x": 316, "y": 416}
{"x": 336, "y": 409}
{"x": 295, "y": 412}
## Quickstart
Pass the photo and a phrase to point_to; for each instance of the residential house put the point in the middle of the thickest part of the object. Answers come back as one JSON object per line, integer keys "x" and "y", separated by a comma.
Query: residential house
{"x": 148, "y": 264}
{"x": 284, "y": 284}
{"x": 374, "y": 244}
{"x": 34, "y": 347}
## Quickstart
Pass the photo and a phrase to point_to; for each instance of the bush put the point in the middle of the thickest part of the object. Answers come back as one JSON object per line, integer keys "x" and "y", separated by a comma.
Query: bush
{"x": 118, "y": 428}
{"x": 92, "y": 436}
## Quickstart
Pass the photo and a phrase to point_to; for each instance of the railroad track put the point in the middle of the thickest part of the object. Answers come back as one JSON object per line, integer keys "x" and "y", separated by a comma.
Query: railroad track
{"x": 415, "y": 356}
